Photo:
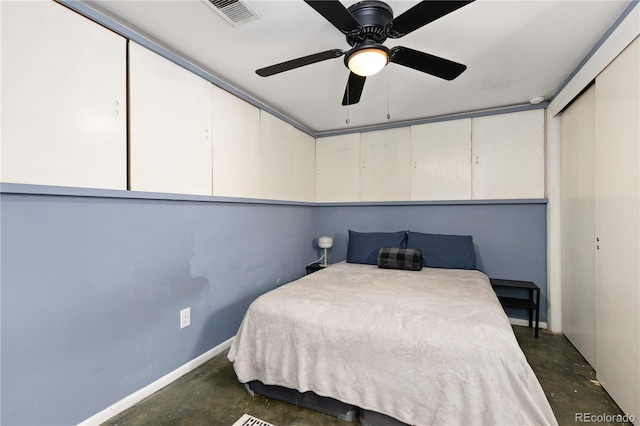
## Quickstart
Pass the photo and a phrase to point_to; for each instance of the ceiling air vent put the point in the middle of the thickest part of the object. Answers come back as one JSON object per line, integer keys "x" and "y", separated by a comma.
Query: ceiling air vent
{"x": 235, "y": 12}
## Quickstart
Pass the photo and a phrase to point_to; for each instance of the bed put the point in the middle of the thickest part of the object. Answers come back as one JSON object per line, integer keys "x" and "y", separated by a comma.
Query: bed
{"x": 422, "y": 347}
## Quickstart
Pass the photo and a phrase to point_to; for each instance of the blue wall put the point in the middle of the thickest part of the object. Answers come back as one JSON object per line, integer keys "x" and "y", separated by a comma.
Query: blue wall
{"x": 91, "y": 290}
{"x": 510, "y": 237}
{"x": 91, "y": 286}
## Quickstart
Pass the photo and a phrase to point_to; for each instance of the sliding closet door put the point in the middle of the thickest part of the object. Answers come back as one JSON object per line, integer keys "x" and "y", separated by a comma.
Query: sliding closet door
{"x": 617, "y": 210}
{"x": 578, "y": 223}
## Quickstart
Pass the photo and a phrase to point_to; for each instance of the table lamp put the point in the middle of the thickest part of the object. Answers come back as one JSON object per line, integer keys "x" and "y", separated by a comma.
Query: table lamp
{"x": 325, "y": 243}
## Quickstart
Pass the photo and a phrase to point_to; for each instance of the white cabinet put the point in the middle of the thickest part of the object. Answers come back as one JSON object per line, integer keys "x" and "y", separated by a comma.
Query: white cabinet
{"x": 617, "y": 226}
{"x": 170, "y": 127}
{"x": 63, "y": 98}
{"x": 236, "y": 146}
{"x": 277, "y": 157}
{"x": 578, "y": 225}
{"x": 304, "y": 162}
{"x": 508, "y": 155}
{"x": 441, "y": 161}
{"x": 338, "y": 168}
{"x": 385, "y": 173}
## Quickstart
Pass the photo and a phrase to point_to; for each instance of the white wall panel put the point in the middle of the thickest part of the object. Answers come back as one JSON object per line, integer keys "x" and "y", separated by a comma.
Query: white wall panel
{"x": 277, "y": 158}
{"x": 441, "y": 161}
{"x": 170, "y": 127}
{"x": 385, "y": 157}
{"x": 508, "y": 155}
{"x": 578, "y": 225}
{"x": 304, "y": 175}
{"x": 338, "y": 168}
{"x": 63, "y": 98}
{"x": 617, "y": 211}
{"x": 237, "y": 169}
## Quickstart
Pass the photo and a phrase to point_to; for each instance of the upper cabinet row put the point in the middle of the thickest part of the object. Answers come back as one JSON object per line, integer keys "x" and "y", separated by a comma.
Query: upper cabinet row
{"x": 83, "y": 107}
{"x": 65, "y": 118}
{"x": 190, "y": 137}
{"x": 493, "y": 157}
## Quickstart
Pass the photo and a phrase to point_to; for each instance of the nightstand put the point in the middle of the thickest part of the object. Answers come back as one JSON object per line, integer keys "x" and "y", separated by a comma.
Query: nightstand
{"x": 531, "y": 304}
{"x": 314, "y": 267}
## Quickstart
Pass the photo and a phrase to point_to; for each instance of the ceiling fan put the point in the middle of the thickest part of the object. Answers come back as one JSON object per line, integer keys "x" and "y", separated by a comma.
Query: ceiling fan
{"x": 367, "y": 25}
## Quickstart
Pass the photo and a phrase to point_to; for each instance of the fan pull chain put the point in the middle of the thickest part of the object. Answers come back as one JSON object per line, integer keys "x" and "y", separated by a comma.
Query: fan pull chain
{"x": 388, "y": 96}
{"x": 347, "y": 120}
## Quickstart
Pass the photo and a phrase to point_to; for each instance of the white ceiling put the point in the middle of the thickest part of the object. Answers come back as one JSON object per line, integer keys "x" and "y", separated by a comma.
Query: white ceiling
{"x": 514, "y": 50}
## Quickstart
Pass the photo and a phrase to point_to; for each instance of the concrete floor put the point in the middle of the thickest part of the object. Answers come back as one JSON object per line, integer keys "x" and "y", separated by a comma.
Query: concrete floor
{"x": 211, "y": 394}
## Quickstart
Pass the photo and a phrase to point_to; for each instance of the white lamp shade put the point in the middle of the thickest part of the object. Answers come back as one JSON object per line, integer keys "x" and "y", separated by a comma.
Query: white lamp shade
{"x": 325, "y": 242}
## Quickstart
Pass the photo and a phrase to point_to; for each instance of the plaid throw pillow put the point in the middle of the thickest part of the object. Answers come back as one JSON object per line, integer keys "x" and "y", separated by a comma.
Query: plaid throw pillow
{"x": 399, "y": 258}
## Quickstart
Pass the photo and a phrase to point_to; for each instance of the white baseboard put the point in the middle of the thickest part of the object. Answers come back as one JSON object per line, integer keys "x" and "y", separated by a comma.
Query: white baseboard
{"x": 165, "y": 380}
{"x": 525, "y": 323}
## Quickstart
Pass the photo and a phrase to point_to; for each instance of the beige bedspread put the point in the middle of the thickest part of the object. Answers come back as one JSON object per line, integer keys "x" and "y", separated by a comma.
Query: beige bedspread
{"x": 431, "y": 347}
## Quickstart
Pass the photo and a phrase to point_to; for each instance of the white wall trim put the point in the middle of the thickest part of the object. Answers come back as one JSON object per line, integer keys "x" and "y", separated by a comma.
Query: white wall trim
{"x": 525, "y": 323}
{"x": 627, "y": 30}
{"x": 554, "y": 222}
{"x": 134, "y": 398}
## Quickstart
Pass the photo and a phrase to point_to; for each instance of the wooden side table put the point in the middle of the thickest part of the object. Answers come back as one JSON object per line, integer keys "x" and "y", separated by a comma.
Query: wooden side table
{"x": 531, "y": 304}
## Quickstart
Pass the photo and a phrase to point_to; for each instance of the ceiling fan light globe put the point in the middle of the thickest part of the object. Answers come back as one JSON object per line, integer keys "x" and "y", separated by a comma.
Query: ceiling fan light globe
{"x": 367, "y": 62}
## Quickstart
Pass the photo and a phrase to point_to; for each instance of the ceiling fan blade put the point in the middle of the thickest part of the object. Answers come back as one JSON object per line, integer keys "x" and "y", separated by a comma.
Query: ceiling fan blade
{"x": 427, "y": 63}
{"x": 334, "y": 12}
{"x": 352, "y": 93}
{"x": 420, "y": 15}
{"x": 299, "y": 62}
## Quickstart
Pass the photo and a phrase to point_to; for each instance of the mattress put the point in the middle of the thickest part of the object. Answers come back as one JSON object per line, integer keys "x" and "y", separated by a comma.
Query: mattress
{"x": 424, "y": 347}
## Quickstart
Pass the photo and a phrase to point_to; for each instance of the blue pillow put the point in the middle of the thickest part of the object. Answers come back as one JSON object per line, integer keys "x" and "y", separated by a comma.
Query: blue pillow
{"x": 364, "y": 246}
{"x": 444, "y": 251}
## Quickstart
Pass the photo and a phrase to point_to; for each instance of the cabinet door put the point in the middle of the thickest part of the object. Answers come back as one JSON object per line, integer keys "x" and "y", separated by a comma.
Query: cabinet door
{"x": 578, "y": 222}
{"x": 441, "y": 161}
{"x": 338, "y": 168}
{"x": 385, "y": 173}
{"x": 63, "y": 98}
{"x": 170, "y": 127}
{"x": 277, "y": 158}
{"x": 304, "y": 179}
{"x": 617, "y": 211}
{"x": 236, "y": 146}
{"x": 508, "y": 155}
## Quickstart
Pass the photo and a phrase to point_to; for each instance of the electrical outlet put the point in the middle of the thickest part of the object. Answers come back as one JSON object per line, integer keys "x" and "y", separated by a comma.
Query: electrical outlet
{"x": 185, "y": 317}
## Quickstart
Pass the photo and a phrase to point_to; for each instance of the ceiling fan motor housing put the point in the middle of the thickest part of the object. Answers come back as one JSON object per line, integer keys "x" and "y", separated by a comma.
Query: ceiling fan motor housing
{"x": 373, "y": 16}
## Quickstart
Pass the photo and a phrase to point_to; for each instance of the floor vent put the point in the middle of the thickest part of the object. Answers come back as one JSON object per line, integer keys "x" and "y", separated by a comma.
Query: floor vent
{"x": 235, "y": 12}
{"x": 247, "y": 420}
